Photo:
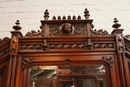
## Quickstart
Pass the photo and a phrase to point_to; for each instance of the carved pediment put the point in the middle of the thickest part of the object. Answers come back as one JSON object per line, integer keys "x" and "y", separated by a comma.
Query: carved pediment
{"x": 58, "y": 26}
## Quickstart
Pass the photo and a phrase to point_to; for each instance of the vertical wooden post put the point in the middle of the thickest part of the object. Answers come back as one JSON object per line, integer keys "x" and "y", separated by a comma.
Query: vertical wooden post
{"x": 120, "y": 54}
{"x": 14, "y": 51}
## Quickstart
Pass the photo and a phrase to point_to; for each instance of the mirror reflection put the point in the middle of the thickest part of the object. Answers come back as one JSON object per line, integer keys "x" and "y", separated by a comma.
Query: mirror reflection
{"x": 68, "y": 76}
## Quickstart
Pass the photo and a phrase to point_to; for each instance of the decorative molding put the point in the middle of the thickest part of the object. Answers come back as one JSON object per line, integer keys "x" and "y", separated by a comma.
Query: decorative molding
{"x": 45, "y": 46}
{"x": 41, "y": 46}
{"x": 103, "y": 45}
{"x": 66, "y": 46}
{"x": 109, "y": 59}
{"x": 31, "y": 46}
{"x": 26, "y": 60}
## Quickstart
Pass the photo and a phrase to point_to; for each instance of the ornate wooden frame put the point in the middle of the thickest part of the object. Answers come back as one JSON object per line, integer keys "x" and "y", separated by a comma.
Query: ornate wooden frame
{"x": 53, "y": 45}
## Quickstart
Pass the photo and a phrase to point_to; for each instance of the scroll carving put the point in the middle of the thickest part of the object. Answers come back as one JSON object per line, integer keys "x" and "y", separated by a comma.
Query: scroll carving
{"x": 98, "y": 32}
{"x": 34, "y": 33}
{"x": 109, "y": 59}
{"x": 26, "y": 60}
{"x": 2, "y": 40}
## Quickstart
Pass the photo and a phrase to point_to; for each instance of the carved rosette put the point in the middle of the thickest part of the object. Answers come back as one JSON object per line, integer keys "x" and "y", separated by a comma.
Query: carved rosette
{"x": 109, "y": 59}
{"x": 26, "y": 60}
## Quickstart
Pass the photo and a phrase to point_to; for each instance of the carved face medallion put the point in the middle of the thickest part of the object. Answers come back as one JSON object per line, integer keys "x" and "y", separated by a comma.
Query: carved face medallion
{"x": 67, "y": 29}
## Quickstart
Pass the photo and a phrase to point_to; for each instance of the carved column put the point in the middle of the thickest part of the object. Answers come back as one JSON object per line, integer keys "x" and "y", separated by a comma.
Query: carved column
{"x": 120, "y": 54}
{"x": 14, "y": 51}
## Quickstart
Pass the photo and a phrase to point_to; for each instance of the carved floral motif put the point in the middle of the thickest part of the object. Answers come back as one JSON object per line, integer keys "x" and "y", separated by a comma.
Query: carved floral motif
{"x": 65, "y": 46}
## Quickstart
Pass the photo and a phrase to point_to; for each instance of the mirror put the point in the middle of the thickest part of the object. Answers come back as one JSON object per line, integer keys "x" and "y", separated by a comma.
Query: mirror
{"x": 68, "y": 76}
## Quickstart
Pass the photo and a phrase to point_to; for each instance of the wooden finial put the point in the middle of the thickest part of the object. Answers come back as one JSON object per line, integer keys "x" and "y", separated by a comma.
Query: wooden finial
{"x": 54, "y": 18}
{"x": 74, "y": 17}
{"x": 86, "y": 13}
{"x": 69, "y": 17}
{"x": 17, "y": 27}
{"x": 116, "y": 25}
{"x": 79, "y": 17}
{"x": 64, "y": 18}
{"x": 46, "y": 14}
{"x": 59, "y": 18}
